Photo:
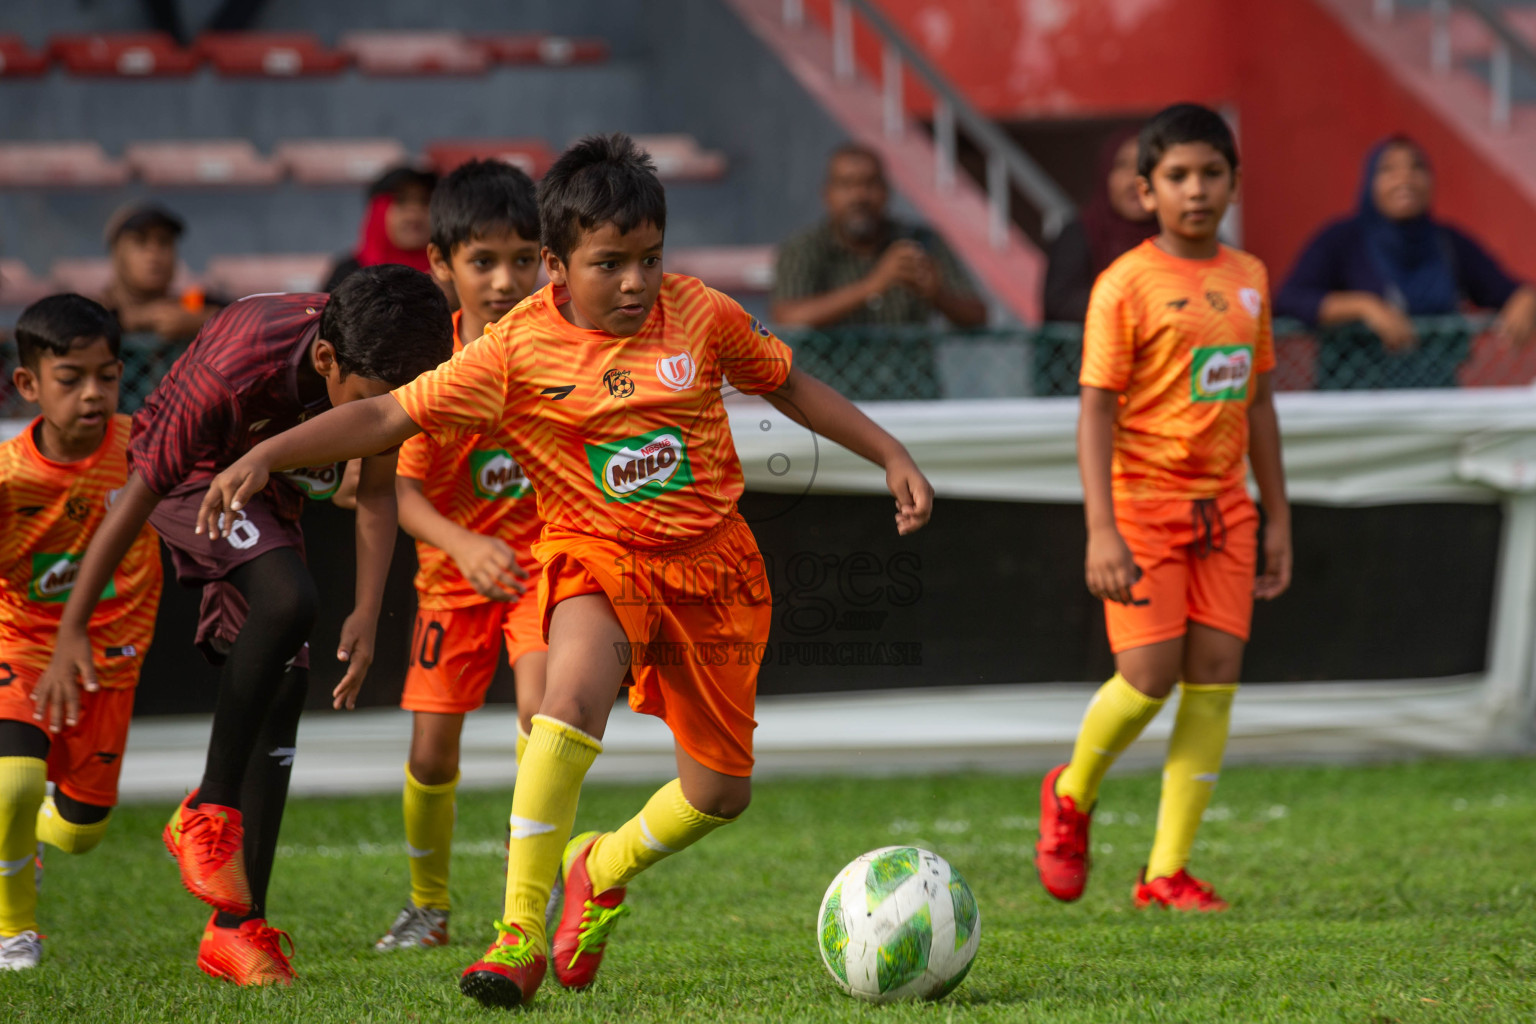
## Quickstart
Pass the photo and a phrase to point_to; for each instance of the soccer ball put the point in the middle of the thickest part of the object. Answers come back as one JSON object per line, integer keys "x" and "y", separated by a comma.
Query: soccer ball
{"x": 898, "y": 923}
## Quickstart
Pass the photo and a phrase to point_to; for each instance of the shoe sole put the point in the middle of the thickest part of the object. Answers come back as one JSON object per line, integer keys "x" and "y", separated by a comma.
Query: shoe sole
{"x": 491, "y": 989}
{"x": 223, "y": 906}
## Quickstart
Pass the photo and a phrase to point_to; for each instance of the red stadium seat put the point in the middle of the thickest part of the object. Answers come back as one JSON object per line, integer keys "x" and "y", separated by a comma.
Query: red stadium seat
{"x": 532, "y": 155}
{"x": 269, "y": 54}
{"x": 252, "y": 275}
{"x": 91, "y": 276}
{"x": 53, "y": 164}
{"x": 18, "y": 285}
{"x": 415, "y": 53}
{"x": 123, "y": 53}
{"x": 17, "y": 60}
{"x": 208, "y": 162}
{"x": 732, "y": 269}
{"x": 681, "y": 158}
{"x": 339, "y": 161}
{"x": 542, "y": 49}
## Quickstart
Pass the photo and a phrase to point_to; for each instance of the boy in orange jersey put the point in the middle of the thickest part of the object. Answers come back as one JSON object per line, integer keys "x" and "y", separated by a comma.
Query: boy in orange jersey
{"x": 611, "y": 378}
{"x": 472, "y": 512}
{"x": 57, "y": 478}
{"x": 1177, "y": 355}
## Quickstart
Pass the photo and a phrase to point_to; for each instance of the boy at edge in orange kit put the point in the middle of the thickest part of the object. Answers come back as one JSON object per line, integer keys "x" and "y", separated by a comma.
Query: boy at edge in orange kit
{"x": 612, "y": 377}
{"x": 1176, "y": 390}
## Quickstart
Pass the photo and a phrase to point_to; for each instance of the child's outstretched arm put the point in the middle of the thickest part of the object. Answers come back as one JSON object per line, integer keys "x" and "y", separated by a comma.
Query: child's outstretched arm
{"x": 1109, "y": 569}
{"x": 816, "y": 406}
{"x": 376, "y": 521}
{"x": 1269, "y": 472}
{"x": 352, "y": 431}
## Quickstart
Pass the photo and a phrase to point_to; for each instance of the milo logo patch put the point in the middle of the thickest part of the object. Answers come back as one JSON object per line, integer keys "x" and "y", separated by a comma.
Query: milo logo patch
{"x": 53, "y": 577}
{"x": 638, "y": 468}
{"x": 497, "y": 475}
{"x": 318, "y": 482}
{"x": 1220, "y": 373}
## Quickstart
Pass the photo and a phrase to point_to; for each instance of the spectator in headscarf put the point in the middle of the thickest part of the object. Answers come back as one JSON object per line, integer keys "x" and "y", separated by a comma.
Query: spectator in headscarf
{"x": 1392, "y": 261}
{"x": 396, "y": 226}
{"x": 1112, "y": 223}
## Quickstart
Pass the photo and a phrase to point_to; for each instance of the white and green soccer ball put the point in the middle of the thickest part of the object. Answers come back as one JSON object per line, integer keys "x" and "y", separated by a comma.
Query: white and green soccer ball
{"x": 898, "y": 923}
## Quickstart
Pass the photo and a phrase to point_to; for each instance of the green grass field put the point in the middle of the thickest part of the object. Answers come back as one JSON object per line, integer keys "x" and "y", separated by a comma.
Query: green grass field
{"x": 1364, "y": 894}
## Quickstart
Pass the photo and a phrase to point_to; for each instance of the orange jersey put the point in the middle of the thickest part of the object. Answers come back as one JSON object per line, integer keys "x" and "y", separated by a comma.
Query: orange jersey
{"x": 623, "y": 438}
{"x": 1181, "y": 341}
{"x": 475, "y": 482}
{"x": 48, "y": 513}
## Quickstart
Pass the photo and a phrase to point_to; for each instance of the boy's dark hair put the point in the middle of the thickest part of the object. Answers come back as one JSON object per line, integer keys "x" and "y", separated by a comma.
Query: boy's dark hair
{"x": 1179, "y": 124}
{"x": 388, "y": 323}
{"x": 54, "y": 325}
{"x": 602, "y": 179}
{"x": 481, "y": 197}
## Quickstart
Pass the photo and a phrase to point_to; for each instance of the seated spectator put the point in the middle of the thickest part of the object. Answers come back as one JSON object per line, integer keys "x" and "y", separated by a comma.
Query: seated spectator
{"x": 1112, "y": 223}
{"x": 860, "y": 266}
{"x": 142, "y": 240}
{"x": 396, "y": 226}
{"x": 1392, "y": 260}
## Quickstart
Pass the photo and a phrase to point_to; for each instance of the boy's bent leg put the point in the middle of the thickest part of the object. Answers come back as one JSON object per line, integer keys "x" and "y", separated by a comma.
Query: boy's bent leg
{"x": 72, "y": 826}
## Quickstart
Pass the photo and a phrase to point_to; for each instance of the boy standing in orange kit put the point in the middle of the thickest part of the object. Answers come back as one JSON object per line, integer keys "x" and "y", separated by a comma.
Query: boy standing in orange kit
{"x": 472, "y": 512}
{"x": 611, "y": 378}
{"x": 57, "y": 478}
{"x": 1176, "y": 390}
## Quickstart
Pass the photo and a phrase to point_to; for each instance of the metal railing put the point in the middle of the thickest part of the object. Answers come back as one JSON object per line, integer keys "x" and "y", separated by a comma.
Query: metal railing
{"x": 1508, "y": 47}
{"x": 1007, "y": 165}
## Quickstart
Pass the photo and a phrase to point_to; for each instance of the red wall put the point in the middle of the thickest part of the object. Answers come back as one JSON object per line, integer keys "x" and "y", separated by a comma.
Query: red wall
{"x": 1310, "y": 101}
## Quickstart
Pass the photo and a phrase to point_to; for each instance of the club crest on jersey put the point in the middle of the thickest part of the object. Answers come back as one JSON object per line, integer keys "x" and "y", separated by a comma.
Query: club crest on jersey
{"x": 642, "y": 467}
{"x": 619, "y": 383}
{"x": 1251, "y": 299}
{"x": 497, "y": 475}
{"x": 757, "y": 325}
{"x": 318, "y": 482}
{"x": 1220, "y": 373}
{"x": 53, "y": 577}
{"x": 677, "y": 372}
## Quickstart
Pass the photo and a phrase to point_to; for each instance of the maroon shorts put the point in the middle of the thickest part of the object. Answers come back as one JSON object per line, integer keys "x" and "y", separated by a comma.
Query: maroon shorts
{"x": 201, "y": 560}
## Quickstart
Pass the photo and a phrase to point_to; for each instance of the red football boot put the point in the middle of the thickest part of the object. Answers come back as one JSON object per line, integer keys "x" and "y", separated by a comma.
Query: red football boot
{"x": 508, "y": 974}
{"x": 1180, "y": 890}
{"x": 1061, "y": 855}
{"x": 252, "y": 954}
{"x": 207, "y": 842}
{"x": 586, "y": 919}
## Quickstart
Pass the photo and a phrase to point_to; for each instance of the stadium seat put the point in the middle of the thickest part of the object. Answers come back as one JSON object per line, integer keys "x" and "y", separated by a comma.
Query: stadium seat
{"x": 91, "y": 276}
{"x": 52, "y": 164}
{"x": 542, "y": 49}
{"x": 681, "y": 158}
{"x": 123, "y": 53}
{"x": 252, "y": 275}
{"x": 415, "y": 53}
{"x": 207, "y": 162}
{"x": 269, "y": 54}
{"x": 338, "y": 161}
{"x": 17, "y": 60}
{"x": 733, "y": 269}
{"x": 18, "y": 285}
{"x": 532, "y": 155}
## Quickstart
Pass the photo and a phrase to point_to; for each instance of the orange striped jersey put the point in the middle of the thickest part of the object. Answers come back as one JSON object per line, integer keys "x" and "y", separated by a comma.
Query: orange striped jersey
{"x": 1181, "y": 341}
{"x": 623, "y": 438}
{"x": 476, "y": 483}
{"x": 48, "y": 513}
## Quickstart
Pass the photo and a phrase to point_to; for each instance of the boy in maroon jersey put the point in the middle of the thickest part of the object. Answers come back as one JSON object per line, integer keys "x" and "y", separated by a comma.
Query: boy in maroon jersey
{"x": 259, "y": 367}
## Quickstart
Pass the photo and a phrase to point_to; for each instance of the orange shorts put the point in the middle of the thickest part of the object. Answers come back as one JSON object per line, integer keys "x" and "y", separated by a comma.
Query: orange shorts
{"x": 695, "y": 617}
{"x": 85, "y": 761}
{"x": 453, "y": 652}
{"x": 1197, "y": 560}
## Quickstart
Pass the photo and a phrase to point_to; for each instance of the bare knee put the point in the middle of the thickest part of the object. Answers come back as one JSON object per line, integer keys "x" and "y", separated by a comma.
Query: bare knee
{"x": 434, "y": 757}
{"x": 720, "y": 797}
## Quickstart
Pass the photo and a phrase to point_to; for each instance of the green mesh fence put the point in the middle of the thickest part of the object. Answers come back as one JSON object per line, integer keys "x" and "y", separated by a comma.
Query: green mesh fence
{"x": 145, "y": 360}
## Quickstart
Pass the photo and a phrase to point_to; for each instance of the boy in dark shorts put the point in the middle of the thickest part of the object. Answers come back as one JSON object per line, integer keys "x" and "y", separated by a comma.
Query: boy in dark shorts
{"x": 262, "y": 365}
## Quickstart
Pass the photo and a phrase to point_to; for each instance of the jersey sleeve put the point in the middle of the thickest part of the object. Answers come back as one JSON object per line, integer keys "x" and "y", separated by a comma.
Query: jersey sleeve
{"x": 464, "y": 396}
{"x": 751, "y": 357}
{"x": 1264, "y": 340}
{"x": 194, "y": 422}
{"x": 1109, "y": 337}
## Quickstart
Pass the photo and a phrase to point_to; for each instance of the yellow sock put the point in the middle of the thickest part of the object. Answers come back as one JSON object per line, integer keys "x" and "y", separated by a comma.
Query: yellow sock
{"x": 1189, "y": 775}
{"x": 429, "y": 814}
{"x": 23, "y": 784}
{"x": 522, "y": 743}
{"x": 1115, "y": 717}
{"x": 543, "y": 811}
{"x": 66, "y": 835}
{"x": 668, "y": 823}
